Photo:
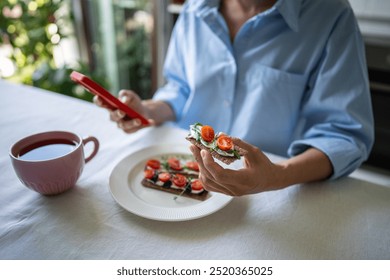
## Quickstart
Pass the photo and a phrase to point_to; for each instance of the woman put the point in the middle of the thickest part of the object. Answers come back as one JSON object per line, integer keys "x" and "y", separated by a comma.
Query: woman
{"x": 287, "y": 77}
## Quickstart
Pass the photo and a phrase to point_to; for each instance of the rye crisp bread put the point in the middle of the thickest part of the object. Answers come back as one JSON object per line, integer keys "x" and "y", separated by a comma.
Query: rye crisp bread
{"x": 202, "y": 196}
{"x": 224, "y": 159}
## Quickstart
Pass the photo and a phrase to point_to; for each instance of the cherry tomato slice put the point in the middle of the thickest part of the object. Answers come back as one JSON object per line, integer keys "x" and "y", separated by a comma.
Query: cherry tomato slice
{"x": 164, "y": 177}
{"x": 193, "y": 165}
{"x": 225, "y": 143}
{"x": 174, "y": 164}
{"x": 153, "y": 163}
{"x": 179, "y": 180}
{"x": 207, "y": 133}
{"x": 149, "y": 173}
{"x": 196, "y": 185}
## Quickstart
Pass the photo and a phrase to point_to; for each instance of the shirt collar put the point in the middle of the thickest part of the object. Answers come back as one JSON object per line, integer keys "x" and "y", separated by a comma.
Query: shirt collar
{"x": 202, "y": 8}
{"x": 288, "y": 9}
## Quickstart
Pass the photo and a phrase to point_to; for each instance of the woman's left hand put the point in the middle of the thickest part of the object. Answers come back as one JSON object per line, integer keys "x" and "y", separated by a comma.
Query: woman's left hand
{"x": 258, "y": 174}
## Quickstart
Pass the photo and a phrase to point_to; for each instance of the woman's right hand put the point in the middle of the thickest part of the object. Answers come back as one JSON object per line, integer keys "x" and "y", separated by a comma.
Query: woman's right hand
{"x": 132, "y": 100}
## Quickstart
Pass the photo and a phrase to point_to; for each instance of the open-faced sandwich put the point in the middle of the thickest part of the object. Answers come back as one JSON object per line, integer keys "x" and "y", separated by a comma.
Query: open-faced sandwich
{"x": 176, "y": 174}
{"x": 220, "y": 145}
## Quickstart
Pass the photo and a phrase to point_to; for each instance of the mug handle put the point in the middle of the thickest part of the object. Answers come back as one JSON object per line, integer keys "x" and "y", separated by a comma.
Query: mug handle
{"x": 95, "y": 148}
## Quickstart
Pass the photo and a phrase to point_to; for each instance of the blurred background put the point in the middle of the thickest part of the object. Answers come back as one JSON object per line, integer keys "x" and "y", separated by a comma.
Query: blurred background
{"x": 122, "y": 44}
{"x": 119, "y": 43}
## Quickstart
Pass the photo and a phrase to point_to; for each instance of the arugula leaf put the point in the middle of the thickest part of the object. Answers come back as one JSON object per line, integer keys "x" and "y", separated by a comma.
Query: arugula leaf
{"x": 236, "y": 154}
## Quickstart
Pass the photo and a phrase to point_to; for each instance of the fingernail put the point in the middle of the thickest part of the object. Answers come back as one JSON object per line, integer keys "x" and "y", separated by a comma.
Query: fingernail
{"x": 123, "y": 99}
{"x": 203, "y": 153}
{"x": 137, "y": 122}
{"x": 121, "y": 114}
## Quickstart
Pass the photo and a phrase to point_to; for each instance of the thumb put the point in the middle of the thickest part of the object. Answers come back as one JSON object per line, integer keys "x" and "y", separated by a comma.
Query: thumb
{"x": 129, "y": 97}
{"x": 242, "y": 144}
{"x": 251, "y": 150}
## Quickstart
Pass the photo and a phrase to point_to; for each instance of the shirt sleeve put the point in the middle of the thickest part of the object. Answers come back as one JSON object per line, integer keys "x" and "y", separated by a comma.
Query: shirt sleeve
{"x": 176, "y": 90}
{"x": 336, "y": 112}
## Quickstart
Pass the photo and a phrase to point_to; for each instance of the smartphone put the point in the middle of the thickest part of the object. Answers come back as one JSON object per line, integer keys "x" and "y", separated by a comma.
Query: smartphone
{"x": 111, "y": 101}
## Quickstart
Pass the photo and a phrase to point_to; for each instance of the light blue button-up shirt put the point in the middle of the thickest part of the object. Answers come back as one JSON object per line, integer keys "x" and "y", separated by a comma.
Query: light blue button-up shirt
{"x": 294, "y": 77}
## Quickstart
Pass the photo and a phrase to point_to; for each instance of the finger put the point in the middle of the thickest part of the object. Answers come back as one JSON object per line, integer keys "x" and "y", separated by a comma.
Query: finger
{"x": 211, "y": 173}
{"x": 216, "y": 188}
{"x": 130, "y": 126}
{"x": 210, "y": 185}
{"x": 117, "y": 115}
{"x": 242, "y": 144}
{"x": 196, "y": 152}
{"x": 151, "y": 122}
{"x": 253, "y": 152}
{"x": 216, "y": 171}
{"x": 207, "y": 179}
{"x": 124, "y": 92}
{"x": 128, "y": 97}
{"x": 99, "y": 102}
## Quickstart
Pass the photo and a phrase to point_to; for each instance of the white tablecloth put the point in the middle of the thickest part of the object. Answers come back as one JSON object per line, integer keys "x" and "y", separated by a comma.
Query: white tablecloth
{"x": 344, "y": 219}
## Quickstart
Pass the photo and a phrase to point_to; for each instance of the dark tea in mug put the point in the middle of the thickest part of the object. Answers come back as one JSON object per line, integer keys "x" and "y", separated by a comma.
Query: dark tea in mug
{"x": 46, "y": 150}
{"x": 51, "y": 162}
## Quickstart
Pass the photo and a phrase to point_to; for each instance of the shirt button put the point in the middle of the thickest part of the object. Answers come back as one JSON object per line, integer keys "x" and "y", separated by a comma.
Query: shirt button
{"x": 227, "y": 103}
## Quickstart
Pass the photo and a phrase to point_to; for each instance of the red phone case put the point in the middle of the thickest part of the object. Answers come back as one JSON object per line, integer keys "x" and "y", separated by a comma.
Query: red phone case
{"x": 110, "y": 100}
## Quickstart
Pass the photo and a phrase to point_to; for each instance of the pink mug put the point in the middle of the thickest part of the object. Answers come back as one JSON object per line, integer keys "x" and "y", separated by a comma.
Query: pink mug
{"x": 51, "y": 162}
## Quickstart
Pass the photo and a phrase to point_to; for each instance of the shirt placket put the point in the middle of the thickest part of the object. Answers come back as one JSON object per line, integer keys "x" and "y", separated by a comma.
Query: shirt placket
{"x": 229, "y": 70}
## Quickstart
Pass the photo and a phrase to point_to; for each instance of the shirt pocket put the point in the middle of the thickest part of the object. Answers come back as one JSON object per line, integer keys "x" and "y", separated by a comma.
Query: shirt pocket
{"x": 270, "y": 100}
{"x": 275, "y": 80}
{"x": 273, "y": 88}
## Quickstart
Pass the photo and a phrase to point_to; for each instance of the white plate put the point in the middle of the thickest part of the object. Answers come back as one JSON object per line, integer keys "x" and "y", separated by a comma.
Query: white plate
{"x": 126, "y": 188}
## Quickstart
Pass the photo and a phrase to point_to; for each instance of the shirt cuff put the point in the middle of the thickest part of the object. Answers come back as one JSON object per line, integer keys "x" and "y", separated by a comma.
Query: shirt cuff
{"x": 344, "y": 155}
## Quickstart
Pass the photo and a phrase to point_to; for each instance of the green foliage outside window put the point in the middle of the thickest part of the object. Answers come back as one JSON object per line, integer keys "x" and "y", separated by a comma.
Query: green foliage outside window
{"x": 33, "y": 28}
{"x": 135, "y": 50}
